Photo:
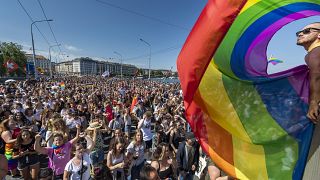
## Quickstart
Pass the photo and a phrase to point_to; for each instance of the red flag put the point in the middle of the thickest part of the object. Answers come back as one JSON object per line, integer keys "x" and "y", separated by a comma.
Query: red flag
{"x": 11, "y": 65}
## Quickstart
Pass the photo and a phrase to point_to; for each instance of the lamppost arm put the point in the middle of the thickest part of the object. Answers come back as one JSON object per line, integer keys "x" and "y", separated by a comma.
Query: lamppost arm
{"x": 33, "y": 51}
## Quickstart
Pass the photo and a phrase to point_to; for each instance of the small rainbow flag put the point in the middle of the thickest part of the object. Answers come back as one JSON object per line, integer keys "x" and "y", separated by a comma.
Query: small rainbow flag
{"x": 62, "y": 86}
{"x": 274, "y": 61}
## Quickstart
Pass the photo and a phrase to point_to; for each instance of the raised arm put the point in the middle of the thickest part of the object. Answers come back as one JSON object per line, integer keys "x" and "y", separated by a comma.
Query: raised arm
{"x": 75, "y": 139}
{"x": 37, "y": 146}
{"x": 91, "y": 142}
{"x": 140, "y": 123}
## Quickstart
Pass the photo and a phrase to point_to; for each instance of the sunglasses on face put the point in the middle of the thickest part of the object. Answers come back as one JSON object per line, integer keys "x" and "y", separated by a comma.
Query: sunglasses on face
{"x": 306, "y": 31}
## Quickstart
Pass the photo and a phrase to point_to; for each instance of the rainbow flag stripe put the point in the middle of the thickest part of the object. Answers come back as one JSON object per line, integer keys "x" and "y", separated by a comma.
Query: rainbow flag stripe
{"x": 275, "y": 61}
{"x": 62, "y": 86}
{"x": 253, "y": 125}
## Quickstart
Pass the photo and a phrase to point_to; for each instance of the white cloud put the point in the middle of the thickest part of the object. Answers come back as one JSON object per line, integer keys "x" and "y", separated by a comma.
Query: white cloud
{"x": 72, "y": 48}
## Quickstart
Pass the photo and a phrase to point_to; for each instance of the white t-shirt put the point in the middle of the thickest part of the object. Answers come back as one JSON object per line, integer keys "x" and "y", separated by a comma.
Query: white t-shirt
{"x": 75, "y": 170}
{"x": 146, "y": 130}
{"x": 115, "y": 124}
{"x": 136, "y": 151}
{"x": 37, "y": 114}
{"x": 72, "y": 123}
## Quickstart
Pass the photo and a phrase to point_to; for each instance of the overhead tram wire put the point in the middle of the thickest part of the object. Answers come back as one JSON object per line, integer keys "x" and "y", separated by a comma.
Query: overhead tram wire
{"x": 142, "y": 15}
{"x": 153, "y": 53}
{"x": 49, "y": 24}
{"x": 24, "y": 9}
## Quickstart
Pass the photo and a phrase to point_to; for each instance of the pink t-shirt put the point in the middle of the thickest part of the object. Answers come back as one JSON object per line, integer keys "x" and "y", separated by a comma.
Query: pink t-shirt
{"x": 60, "y": 157}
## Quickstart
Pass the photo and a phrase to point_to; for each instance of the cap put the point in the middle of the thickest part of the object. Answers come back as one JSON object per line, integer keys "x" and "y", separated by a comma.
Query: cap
{"x": 190, "y": 135}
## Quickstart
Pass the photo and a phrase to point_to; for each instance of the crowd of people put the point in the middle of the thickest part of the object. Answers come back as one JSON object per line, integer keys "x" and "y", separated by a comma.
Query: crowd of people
{"x": 97, "y": 128}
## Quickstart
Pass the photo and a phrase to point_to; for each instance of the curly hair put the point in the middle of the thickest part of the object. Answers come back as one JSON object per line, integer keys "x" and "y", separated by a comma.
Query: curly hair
{"x": 19, "y": 137}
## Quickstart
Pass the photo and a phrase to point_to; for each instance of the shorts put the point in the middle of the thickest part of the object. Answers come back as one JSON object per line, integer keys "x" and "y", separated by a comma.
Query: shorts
{"x": 135, "y": 171}
{"x": 97, "y": 156}
{"x": 28, "y": 160}
{"x": 58, "y": 177}
{"x": 12, "y": 164}
{"x": 148, "y": 144}
{"x": 127, "y": 129}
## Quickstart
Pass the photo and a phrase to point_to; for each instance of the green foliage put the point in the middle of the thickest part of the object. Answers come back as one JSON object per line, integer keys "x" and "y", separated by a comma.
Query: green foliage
{"x": 2, "y": 68}
{"x": 12, "y": 51}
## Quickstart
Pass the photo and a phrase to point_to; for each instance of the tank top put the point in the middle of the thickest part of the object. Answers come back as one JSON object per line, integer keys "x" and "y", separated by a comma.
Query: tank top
{"x": 167, "y": 173}
{"x": 27, "y": 147}
{"x": 119, "y": 172}
{"x": 116, "y": 160}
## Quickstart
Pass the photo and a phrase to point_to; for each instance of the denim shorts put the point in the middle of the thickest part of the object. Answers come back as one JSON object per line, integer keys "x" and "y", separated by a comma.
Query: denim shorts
{"x": 127, "y": 129}
{"x": 97, "y": 156}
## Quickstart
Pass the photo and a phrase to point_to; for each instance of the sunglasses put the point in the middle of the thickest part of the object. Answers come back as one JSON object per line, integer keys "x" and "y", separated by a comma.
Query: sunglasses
{"x": 306, "y": 31}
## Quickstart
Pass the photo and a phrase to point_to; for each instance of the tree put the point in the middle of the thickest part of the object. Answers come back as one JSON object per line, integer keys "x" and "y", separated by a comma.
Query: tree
{"x": 13, "y": 51}
{"x": 2, "y": 68}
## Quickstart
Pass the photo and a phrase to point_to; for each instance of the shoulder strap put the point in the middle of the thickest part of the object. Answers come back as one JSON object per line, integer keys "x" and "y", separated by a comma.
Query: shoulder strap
{"x": 81, "y": 170}
{"x": 159, "y": 167}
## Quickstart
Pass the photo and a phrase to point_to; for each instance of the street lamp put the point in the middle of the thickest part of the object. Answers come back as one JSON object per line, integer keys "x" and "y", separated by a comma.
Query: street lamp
{"x": 33, "y": 55}
{"x": 50, "y": 57}
{"x": 149, "y": 53}
{"x": 120, "y": 62}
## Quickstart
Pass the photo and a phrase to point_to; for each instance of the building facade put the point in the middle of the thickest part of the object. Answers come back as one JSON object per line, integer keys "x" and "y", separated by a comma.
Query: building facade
{"x": 87, "y": 66}
{"x": 40, "y": 61}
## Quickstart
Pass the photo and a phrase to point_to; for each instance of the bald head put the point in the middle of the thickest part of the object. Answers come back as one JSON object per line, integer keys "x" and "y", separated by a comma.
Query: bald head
{"x": 309, "y": 35}
{"x": 315, "y": 24}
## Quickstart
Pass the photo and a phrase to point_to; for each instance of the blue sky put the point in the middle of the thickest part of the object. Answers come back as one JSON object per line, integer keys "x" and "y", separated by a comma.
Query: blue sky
{"x": 94, "y": 29}
{"x": 283, "y": 46}
{"x": 97, "y": 28}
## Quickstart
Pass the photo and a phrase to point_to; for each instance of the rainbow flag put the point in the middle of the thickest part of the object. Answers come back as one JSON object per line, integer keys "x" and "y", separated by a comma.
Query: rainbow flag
{"x": 62, "y": 86}
{"x": 133, "y": 103}
{"x": 253, "y": 125}
{"x": 275, "y": 61}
